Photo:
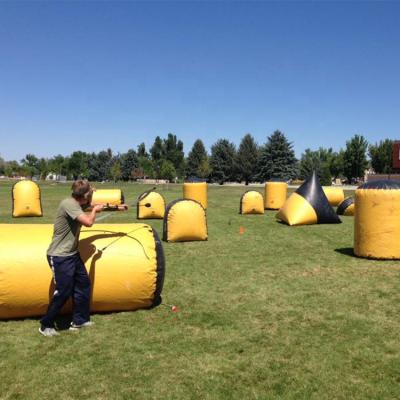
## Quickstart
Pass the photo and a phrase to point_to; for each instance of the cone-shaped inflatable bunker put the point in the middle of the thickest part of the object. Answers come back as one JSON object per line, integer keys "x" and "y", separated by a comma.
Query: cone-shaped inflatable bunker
{"x": 377, "y": 220}
{"x": 26, "y": 200}
{"x": 275, "y": 195}
{"x": 113, "y": 197}
{"x": 150, "y": 204}
{"x": 196, "y": 191}
{"x": 346, "y": 207}
{"x": 335, "y": 195}
{"x": 251, "y": 202}
{"x": 125, "y": 264}
{"x": 308, "y": 205}
{"x": 184, "y": 221}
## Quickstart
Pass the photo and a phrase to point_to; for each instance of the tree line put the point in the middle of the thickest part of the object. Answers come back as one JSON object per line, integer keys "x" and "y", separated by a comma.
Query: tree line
{"x": 250, "y": 162}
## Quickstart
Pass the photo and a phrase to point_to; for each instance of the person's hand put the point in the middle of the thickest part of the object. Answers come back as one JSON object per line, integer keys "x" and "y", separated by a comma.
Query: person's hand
{"x": 98, "y": 207}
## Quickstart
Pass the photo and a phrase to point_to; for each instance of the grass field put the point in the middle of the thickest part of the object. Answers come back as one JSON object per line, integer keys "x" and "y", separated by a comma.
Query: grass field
{"x": 275, "y": 313}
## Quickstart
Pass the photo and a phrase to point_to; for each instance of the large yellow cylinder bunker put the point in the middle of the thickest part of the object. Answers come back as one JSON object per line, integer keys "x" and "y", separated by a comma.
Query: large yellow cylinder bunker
{"x": 377, "y": 220}
{"x": 196, "y": 191}
{"x": 125, "y": 263}
{"x": 275, "y": 195}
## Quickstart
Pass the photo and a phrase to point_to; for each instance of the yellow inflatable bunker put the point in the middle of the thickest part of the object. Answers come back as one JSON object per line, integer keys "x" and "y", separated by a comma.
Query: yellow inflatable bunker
{"x": 196, "y": 191}
{"x": 377, "y": 220}
{"x": 275, "y": 195}
{"x": 251, "y": 202}
{"x": 113, "y": 197}
{"x": 184, "y": 220}
{"x": 150, "y": 204}
{"x": 125, "y": 263}
{"x": 335, "y": 195}
{"x": 26, "y": 200}
{"x": 308, "y": 205}
{"x": 346, "y": 207}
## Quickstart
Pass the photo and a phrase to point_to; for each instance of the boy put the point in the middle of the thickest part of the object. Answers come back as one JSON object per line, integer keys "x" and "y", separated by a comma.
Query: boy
{"x": 69, "y": 272}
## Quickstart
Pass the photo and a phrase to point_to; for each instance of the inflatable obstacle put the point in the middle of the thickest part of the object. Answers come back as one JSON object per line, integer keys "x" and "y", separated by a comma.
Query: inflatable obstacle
{"x": 346, "y": 207}
{"x": 125, "y": 263}
{"x": 251, "y": 202}
{"x": 335, "y": 195}
{"x": 150, "y": 204}
{"x": 308, "y": 205}
{"x": 275, "y": 195}
{"x": 108, "y": 197}
{"x": 196, "y": 191}
{"x": 184, "y": 220}
{"x": 377, "y": 220}
{"x": 26, "y": 201}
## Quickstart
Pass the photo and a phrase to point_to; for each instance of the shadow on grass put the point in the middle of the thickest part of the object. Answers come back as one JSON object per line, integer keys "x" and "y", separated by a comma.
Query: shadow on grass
{"x": 347, "y": 251}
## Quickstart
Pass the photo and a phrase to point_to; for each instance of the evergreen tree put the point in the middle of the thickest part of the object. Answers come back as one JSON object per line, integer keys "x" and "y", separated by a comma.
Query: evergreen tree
{"x": 354, "y": 157}
{"x": 93, "y": 170}
{"x": 222, "y": 161}
{"x": 382, "y": 156}
{"x": 196, "y": 160}
{"x": 157, "y": 155}
{"x": 100, "y": 165}
{"x": 2, "y": 166}
{"x": 173, "y": 151}
{"x": 247, "y": 159}
{"x": 129, "y": 162}
{"x": 157, "y": 150}
{"x": 141, "y": 151}
{"x": 277, "y": 159}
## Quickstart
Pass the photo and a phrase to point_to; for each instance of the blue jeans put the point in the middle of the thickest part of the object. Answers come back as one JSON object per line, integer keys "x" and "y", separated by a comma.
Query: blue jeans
{"x": 70, "y": 279}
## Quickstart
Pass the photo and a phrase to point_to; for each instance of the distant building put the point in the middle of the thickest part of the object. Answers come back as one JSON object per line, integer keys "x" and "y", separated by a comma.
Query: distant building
{"x": 395, "y": 176}
{"x": 52, "y": 176}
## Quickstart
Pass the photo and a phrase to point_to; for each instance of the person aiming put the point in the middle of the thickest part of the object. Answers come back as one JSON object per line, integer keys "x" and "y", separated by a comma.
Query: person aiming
{"x": 69, "y": 272}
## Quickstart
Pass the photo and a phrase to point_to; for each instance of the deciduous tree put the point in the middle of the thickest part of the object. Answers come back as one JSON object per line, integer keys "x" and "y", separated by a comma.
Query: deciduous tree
{"x": 354, "y": 157}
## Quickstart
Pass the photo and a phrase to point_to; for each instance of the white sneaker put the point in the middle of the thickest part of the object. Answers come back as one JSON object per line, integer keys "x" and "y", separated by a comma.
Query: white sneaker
{"x": 76, "y": 327}
{"x": 48, "y": 332}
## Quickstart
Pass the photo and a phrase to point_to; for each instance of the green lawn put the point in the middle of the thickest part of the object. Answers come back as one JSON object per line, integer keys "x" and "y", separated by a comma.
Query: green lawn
{"x": 275, "y": 313}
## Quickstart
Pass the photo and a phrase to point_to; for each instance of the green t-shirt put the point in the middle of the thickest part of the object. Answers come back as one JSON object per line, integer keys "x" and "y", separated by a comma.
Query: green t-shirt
{"x": 66, "y": 229}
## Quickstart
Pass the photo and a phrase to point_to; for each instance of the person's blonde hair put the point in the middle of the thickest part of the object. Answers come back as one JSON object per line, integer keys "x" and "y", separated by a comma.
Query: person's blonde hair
{"x": 81, "y": 189}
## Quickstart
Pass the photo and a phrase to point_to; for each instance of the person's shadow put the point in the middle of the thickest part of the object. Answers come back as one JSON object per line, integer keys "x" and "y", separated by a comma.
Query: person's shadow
{"x": 87, "y": 249}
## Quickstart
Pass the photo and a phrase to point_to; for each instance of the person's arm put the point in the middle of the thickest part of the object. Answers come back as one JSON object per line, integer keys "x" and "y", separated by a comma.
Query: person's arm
{"x": 88, "y": 219}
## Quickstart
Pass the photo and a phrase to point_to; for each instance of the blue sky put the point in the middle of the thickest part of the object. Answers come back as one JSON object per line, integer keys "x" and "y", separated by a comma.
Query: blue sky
{"x": 92, "y": 75}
